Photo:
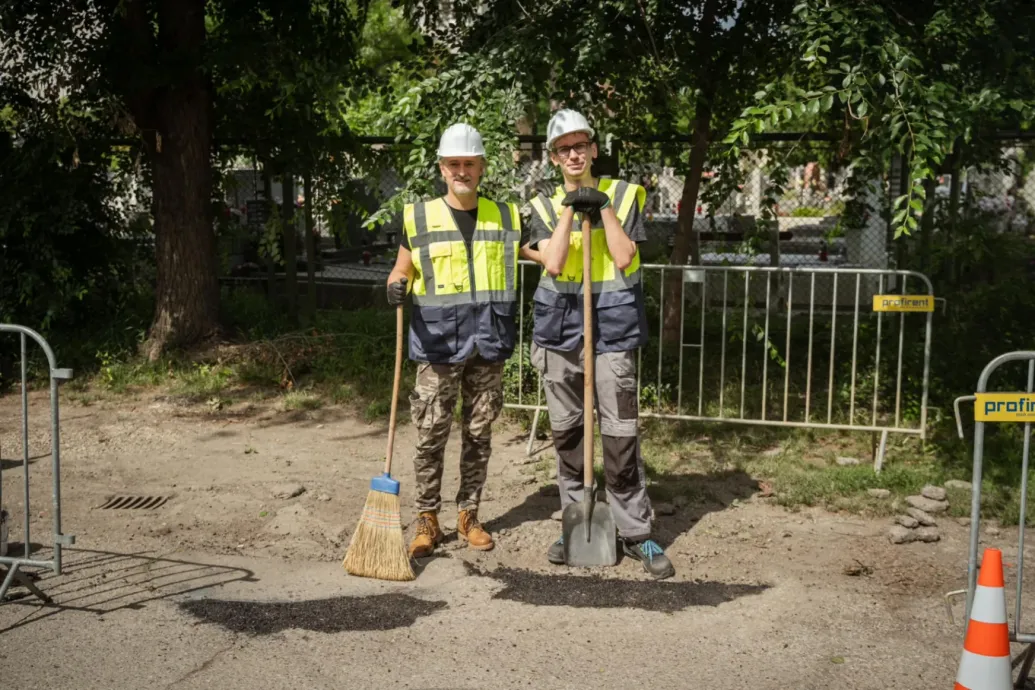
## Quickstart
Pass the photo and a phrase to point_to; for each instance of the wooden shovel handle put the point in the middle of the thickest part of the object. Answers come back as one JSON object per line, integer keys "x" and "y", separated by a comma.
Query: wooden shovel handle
{"x": 395, "y": 386}
{"x": 590, "y": 359}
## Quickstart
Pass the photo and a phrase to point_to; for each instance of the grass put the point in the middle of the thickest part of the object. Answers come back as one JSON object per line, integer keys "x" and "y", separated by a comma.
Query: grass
{"x": 302, "y": 400}
{"x": 799, "y": 466}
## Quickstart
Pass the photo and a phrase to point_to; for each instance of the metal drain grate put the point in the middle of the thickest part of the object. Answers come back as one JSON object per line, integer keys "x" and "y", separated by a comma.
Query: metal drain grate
{"x": 134, "y": 503}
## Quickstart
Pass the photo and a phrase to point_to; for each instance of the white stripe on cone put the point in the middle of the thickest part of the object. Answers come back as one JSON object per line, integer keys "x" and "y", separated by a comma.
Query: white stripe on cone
{"x": 989, "y": 605}
{"x": 979, "y": 672}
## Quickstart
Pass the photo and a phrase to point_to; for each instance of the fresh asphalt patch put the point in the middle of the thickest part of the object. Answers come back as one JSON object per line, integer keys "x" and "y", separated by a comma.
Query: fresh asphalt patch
{"x": 337, "y": 614}
{"x": 593, "y": 591}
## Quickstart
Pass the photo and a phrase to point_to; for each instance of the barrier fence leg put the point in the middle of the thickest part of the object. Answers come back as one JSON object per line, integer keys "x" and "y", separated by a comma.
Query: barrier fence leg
{"x": 14, "y": 576}
{"x": 531, "y": 434}
{"x": 878, "y": 460}
{"x": 1026, "y": 657}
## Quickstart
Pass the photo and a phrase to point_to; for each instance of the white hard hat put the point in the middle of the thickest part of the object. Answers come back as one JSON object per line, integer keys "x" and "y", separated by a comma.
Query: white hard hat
{"x": 566, "y": 122}
{"x": 460, "y": 140}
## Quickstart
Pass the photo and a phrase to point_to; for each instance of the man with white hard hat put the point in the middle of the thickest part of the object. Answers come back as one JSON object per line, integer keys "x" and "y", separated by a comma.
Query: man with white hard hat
{"x": 457, "y": 259}
{"x": 614, "y": 208}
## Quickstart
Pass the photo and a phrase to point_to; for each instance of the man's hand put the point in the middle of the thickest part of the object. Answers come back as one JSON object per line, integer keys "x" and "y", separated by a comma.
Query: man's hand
{"x": 397, "y": 292}
{"x": 587, "y": 200}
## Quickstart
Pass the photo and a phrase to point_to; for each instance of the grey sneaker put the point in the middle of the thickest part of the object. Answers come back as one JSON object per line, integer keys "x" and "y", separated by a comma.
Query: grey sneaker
{"x": 555, "y": 554}
{"x": 652, "y": 556}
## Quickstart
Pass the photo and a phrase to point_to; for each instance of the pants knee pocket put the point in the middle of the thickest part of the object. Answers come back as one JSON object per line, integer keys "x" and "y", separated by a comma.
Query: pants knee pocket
{"x": 422, "y": 411}
{"x": 484, "y": 412}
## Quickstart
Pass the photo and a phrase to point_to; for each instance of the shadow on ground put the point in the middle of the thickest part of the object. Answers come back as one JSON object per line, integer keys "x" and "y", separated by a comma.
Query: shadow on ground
{"x": 102, "y": 582}
{"x": 597, "y": 592}
{"x": 337, "y": 614}
{"x": 691, "y": 495}
{"x": 12, "y": 463}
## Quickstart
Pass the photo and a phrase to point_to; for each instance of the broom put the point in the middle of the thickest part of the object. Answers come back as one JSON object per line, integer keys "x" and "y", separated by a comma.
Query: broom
{"x": 378, "y": 549}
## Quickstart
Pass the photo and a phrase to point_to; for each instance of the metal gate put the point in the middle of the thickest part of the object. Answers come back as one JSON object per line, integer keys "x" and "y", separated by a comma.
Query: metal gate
{"x": 802, "y": 302}
{"x": 1001, "y": 408}
{"x": 20, "y": 568}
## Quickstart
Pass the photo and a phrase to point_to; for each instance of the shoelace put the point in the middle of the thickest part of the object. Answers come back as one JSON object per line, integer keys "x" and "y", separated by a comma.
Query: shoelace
{"x": 424, "y": 526}
{"x": 469, "y": 522}
{"x": 650, "y": 549}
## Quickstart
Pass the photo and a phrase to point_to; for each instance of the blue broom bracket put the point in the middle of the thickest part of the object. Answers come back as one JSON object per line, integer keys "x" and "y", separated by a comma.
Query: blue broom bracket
{"x": 385, "y": 484}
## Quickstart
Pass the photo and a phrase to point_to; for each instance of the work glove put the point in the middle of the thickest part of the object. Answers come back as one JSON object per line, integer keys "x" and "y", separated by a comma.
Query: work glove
{"x": 397, "y": 292}
{"x": 587, "y": 200}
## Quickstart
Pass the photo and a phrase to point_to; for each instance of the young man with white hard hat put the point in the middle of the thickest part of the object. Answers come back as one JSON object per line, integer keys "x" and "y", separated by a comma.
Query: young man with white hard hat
{"x": 457, "y": 259}
{"x": 620, "y": 324}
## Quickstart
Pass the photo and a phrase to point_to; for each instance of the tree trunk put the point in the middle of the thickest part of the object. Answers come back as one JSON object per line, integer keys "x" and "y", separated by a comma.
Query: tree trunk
{"x": 687, "y": 241}
{"x": 310, "y": 248}
{"x": 927, "y": 225}
{"x": 271, "y": 209}
{"x": 954, "y": 208}
{"x": 187, "y": 286}
{"x": 290, "y": 248}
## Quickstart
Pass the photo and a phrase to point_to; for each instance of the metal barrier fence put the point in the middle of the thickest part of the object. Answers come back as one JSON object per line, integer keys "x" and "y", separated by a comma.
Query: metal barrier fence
{"x": 14, "y": 565}
{"x": 1022, "y": 411}
{"x": 807, "y": 307}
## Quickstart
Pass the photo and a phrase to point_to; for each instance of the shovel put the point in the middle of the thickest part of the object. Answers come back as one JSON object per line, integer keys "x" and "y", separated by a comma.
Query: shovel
{"x": 588, "y": 527}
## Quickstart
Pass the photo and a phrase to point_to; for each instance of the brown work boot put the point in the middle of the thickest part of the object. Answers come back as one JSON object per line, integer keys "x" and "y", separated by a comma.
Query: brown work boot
{"x": 468, "y": 527}
{"x": 429, "y": 535}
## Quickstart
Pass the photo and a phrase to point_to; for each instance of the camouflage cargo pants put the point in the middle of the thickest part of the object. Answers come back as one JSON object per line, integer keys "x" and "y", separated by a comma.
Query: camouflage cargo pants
{"x": 432, "y": 403}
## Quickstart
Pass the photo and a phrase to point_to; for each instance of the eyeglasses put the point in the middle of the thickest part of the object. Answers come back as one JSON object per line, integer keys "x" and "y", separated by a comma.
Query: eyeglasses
{"x": 565, "y": 151}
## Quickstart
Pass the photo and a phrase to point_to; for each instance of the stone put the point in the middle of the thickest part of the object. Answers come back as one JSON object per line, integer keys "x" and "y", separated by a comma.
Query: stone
{"x": 848, "y": 462}
{"x": 927, "y": 505}
{"x": 901, "y": 535}
{"x": 935, "y": 493}
{"x": 878, "y": 493}
{"x": 958, "y": 484}
{"x": 552, "y": 474}
{"x": 907, "y": 521}
{"x": 965, "y": 521}
{"x": 664, "y": 509}
{"x": 922, "y": 517}
{"x": 286, "y": 491}
{"x": 557, "y": 515}
{"x": 323, "y": 497}
{"x": 680, "y": 502}
{"x": 772, "y": 452}
{"x": 992, "y": 531}
{"x": 927, "y": 535}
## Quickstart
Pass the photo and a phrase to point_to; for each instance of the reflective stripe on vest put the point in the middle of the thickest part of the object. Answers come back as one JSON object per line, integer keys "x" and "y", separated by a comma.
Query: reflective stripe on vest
{"x": 605, "y": 274}
{"x": 443, "y": 271}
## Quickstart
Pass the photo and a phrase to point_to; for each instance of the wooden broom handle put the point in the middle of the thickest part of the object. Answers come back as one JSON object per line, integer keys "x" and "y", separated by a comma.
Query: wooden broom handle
{"x": 590, "y": 360}
{"x": 395, "y": 386}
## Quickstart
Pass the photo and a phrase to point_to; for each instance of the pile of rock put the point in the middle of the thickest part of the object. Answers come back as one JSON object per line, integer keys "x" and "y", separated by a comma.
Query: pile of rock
{"x": 918, "y": 523}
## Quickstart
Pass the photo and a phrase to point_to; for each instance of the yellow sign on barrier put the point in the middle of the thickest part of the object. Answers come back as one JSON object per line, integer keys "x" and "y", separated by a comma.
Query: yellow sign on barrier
{"x": 1004, "y": 407}
{"x": 903, "y": 303}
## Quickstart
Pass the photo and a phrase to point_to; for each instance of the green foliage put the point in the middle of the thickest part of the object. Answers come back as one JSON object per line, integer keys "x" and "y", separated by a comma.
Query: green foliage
{"x": 73, "y": 265}
{"x": 914, "y": 82}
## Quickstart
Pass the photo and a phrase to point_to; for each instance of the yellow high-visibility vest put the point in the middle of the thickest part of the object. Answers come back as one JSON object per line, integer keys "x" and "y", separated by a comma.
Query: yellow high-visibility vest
{"x": 462, "y": 303}
{"x": 605, "y": 274}
{"x": 621, "y": 321}
{"x": 444, "y": 273}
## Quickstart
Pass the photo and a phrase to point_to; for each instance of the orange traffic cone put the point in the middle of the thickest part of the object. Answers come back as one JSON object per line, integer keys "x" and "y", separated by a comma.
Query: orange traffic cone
{"x": 985, "y": 664}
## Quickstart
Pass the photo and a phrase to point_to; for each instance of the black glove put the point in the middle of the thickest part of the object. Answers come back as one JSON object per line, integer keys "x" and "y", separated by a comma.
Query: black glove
{"x": 397, "y": 292}
{"x": 587, "y": 200}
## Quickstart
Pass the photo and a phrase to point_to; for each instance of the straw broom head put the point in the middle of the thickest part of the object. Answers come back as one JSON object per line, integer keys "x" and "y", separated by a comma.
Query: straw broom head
{"x": 378, "y": 549}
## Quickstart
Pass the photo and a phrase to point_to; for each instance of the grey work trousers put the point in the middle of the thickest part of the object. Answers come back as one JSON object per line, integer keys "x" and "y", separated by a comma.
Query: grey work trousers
{"x": 616, "y": 407}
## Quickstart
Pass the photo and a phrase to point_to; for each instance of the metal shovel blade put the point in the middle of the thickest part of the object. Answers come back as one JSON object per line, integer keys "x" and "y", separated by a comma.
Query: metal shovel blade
{"x": 589, "y": 533}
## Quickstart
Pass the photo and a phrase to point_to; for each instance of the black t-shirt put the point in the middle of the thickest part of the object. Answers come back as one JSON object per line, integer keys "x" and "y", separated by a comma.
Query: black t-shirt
{"x": 465, "y": 223}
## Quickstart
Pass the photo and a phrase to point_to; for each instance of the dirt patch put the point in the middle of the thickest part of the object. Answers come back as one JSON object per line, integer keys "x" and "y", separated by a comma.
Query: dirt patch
{"x": 593, "y": 591}
{"x": 338, "y": 614}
